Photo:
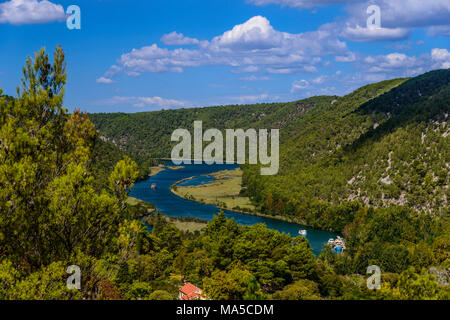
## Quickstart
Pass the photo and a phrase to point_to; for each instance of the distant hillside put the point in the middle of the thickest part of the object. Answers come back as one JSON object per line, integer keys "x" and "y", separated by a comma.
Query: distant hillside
{"x": 393, "y": 149}
{"x": 384, "y": 144}
{"x": 149, "y": 133}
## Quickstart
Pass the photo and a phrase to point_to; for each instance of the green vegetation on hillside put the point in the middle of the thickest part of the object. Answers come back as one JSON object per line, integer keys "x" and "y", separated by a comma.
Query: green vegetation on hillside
{"x": 148, "y": 133}
{"x": 373, "y": 165}
{"x": 353, "y": 151}
{"x": 63, "y": 202}
{"x": 384, "y": 144}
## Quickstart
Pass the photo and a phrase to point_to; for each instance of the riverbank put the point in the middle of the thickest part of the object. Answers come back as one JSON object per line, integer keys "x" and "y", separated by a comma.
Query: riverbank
{"x": 224, "y": 192}
{"x": 157, "y": 169}
{"x": 147, "y": 211}
{"x": 174, "y": 206}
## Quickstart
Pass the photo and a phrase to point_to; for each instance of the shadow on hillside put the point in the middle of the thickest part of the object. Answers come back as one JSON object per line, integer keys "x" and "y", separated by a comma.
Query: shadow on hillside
{"x": 414, "y": 101}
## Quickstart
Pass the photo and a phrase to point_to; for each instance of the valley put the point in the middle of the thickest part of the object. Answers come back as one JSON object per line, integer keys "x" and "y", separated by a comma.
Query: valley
{"x": 94, "y": 189}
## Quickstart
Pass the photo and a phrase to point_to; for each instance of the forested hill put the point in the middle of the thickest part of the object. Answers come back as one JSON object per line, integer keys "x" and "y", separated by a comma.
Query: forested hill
{"x": 393, "y": 149}
{"x": 148, "y": 133}
{"x": 384, "y": 144}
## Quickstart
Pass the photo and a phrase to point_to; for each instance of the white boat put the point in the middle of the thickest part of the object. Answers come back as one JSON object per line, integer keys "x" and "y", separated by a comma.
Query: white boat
{"x": 302, "y": 233}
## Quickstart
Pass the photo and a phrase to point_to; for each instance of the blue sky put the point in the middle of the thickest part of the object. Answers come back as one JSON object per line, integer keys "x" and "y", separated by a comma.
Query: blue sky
{"x": 133, "y": 56}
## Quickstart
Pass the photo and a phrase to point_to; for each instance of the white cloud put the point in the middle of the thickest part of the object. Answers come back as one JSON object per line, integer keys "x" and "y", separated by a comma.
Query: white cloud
{"x": 146, "y": 102}
{"x": 248, "y": 69}
{"x": 299, "y": 85}
{"x": 408, "y": 13}
{"x": 320, "y": 79}
{"x": 398, "y": 18}
{"x": 254, "y": 34}
{"x": 404, "y": 46}
{"x": 373, "y": 69}
{"x": 360, "y": 34}
{"x": 441, "y": 57}
{"x": 251, "y": 98}
{"x": 19, "y": 12}
{"x": 155, "y": 59}
{"x": 402, "y": 65}
{"x": 104, "y": 80}
{"x": 254, "y": 78}
{"x": 247, "y": 47}
{"x": 394, "y": 13}
{"x": 301, "y": 69}
{"x": 175, "y": 38}
{"x": 440, "y": 54}
{"x": 395, "y": 63}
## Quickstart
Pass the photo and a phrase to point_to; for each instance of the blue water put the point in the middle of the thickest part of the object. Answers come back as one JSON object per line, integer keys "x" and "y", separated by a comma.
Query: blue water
{"x": 174, "y": 206}
{"x": 197, "y": 181}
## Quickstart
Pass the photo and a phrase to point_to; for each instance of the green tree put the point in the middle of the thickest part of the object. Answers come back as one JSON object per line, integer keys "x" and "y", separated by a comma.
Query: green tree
{"x": 160, "y": 295}
{"x": 300, "y": 290}
{"x": 49, "y": 283}
{"x": 51, "y": 214}
{"x": 231, "y": 285}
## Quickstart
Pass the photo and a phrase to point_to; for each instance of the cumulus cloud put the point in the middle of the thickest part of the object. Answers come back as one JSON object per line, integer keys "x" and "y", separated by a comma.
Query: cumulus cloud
{"x": 373, "y": 68}
{"x": 19, "y": 12}
{"x": 398, "y": 18}
{"x": 104, "y": 80}
{"x": 147, "y": 102}
{"x": 406, "y": 13}
{"x": 364, "y": 34}
{"x": 395, "y": 13}
{"x": 441, "y": 58}
{"x": 390, "y": 62}
{"x": 254, "y": 34}
{"x": 248, "y": 47}
{"x": 175, "y": 38}
{"x": 402, "y": 65}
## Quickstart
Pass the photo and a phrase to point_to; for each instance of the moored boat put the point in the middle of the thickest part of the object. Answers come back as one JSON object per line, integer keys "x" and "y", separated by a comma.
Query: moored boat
{"x": 338, "y": 245}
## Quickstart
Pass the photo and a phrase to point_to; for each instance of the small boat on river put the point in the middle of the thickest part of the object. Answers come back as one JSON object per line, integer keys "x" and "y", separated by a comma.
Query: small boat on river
{"x": 302, "y": 233}
{"x": 153, "y": 186}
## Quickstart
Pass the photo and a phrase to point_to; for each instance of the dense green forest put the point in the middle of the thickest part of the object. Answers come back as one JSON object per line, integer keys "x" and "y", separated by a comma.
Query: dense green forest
{"x": 64, "y": 183}
{"x": 384, "y": 144}
{"x": 392, "y": 149}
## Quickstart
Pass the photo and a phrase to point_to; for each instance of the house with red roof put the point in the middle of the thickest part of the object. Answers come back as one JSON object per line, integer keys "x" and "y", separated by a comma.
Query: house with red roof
{"x": 190, "y": 292}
